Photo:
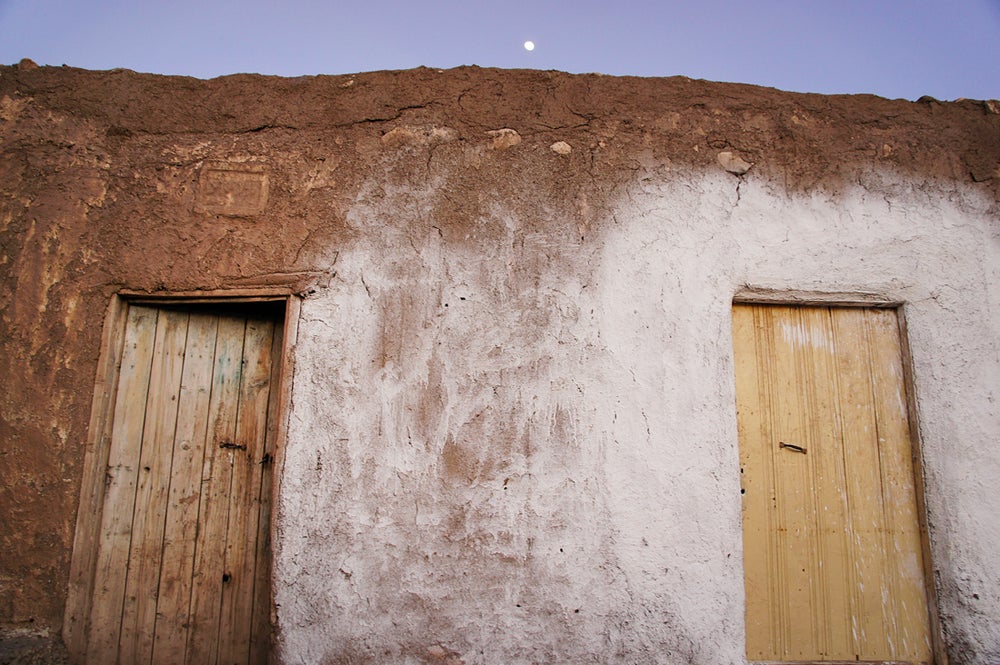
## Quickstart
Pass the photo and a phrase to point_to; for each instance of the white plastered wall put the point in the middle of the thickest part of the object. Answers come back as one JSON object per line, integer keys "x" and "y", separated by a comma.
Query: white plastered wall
{"x": 521, "y": 447}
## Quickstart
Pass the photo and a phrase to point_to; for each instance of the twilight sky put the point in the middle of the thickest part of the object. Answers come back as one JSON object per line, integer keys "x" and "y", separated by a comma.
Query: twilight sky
{"x": 893, "y": 48}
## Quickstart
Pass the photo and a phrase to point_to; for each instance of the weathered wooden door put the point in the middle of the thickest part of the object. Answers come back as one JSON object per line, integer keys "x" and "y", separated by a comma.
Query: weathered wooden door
{"x": 182, "y": 562}
{"x": 832, "y": 553}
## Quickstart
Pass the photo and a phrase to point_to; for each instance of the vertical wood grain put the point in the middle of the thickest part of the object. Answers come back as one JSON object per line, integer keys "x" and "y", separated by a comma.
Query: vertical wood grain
{"x": 795, "y": 513}
{"x": 119, "y": 497}
{"x": 245, "y": 494}
{"x": 865, "y": 500}
{"x": 180, "y": 567}
{"x": 215, "y": 476}
{"x": 832, "y": 553}
{"x": 260, "y": 621}
{"x": 903, "y": 551}
{"x": 181, "y": 522}
{"x": 152, "y": 486}
{"x": 83, "y": 566}
{"x": 757, "y": 489}
{"x": 826, "y": 448}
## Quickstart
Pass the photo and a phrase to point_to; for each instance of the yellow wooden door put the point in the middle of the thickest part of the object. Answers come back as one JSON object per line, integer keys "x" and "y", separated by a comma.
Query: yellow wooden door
{"x": 832, "y": 555}
{"x": 183, "y": 557}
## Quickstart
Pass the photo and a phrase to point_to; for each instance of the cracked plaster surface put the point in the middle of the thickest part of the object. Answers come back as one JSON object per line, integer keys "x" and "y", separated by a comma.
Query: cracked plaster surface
{"x": 511, "y": 435}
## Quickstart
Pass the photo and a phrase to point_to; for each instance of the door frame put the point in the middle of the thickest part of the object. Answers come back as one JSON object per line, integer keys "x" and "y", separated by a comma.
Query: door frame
{"x": 795, "y": 298}
{"x": 86, "y": 539}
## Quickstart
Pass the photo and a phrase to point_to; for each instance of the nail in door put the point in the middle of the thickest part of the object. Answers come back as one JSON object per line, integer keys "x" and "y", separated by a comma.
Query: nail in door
{"x": 832, "y": 555}
{"x": 182, "y": 563}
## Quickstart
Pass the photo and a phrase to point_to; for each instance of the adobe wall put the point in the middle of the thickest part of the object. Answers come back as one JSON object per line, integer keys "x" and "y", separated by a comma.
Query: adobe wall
{"x": 512, "y": 429}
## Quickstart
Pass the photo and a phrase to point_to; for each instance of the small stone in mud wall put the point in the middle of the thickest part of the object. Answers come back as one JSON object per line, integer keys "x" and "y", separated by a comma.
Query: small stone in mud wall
{"x": 733, "y": 163}
{"x": 504, "y": 138}
{"x": 561, "y": 147}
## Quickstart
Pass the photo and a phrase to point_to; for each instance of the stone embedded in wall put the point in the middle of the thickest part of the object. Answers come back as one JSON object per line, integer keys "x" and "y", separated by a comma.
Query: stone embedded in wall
{"x": 234, "y": 190}
{"x": 982, "y": 174}
{"x": 733, "y": 163}
{"x": 504, "y": 138}
{"x": 561, "y": 148}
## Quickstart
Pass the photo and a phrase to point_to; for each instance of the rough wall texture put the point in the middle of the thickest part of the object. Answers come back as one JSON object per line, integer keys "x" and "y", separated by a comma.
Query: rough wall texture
{"x": 512, "y": 430}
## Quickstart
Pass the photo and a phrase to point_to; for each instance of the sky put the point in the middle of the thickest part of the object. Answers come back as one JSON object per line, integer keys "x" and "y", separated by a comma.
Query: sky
{"x": 894, "y": 48}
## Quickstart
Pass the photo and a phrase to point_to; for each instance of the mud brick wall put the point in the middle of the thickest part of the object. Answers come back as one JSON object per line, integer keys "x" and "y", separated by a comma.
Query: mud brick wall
{"x": 511, "y": 434}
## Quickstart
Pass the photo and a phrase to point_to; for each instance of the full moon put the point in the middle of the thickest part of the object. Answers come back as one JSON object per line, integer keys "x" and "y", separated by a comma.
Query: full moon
{"x": 529, "y": 46}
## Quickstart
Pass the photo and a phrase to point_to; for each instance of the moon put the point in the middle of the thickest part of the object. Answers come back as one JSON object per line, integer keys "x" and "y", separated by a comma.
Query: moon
{"x": 529, "y": 46}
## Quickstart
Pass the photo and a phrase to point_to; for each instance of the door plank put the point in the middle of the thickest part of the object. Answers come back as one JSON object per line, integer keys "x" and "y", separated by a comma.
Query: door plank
{"x": 831, "y": 566}
{"x": 142, "y": 578}
{"x": 260, "y": 623}
{"x": 795, "y": 512}
{"x": 80, "y": 592}
{"x": 863, "y": 484}
{"x": 902, "y": 547}
{"x": 245, "y": 494}
{"x": 179, "y": 538}
{"x": 119, "y": 498}
{"x": 216, "y": 472}
{"x": 757, "y": 483}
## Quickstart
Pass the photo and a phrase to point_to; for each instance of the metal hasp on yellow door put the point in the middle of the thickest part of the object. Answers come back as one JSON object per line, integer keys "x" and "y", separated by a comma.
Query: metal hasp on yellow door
{"x": 183, "y": 555}
{"x": 831, "y": 538}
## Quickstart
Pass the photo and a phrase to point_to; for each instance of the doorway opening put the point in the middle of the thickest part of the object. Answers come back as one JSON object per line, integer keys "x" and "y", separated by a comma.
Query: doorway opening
{"x": 835, "y": 563}
{"x": 172, "y": 557}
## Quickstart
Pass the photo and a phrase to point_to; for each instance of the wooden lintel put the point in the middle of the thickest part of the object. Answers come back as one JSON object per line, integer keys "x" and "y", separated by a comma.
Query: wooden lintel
{"x": 263, "y": 294}
{"x": 765, "y": 296}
